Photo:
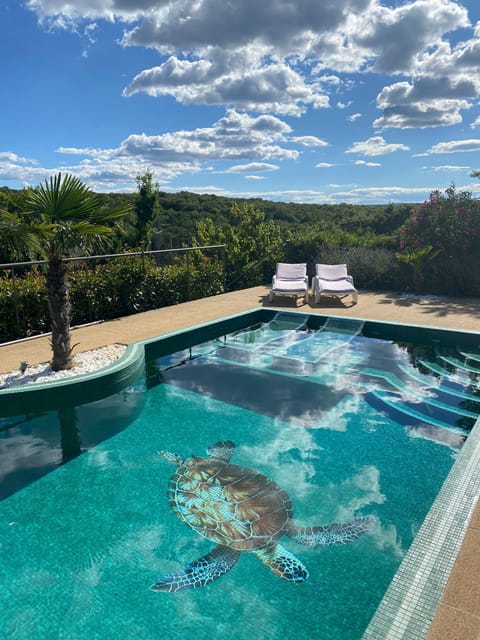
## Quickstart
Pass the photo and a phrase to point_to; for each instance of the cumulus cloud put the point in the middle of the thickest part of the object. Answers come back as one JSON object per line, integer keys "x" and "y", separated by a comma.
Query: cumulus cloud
{"x": 309, "y": 141}
{"x": 398, "y": 35}
{"x": 364, "y": 163}
{"x": 445, "y": 81}
{"x": 427, "y": 102}
{"x": 8, "y": 156}
{"x": 63, "y": 13}
{"x": 324, "y": 165}
{"x": 233, "y": 137}
{"x": 456, "y": 146}
{"x": 271, "y": 56}
{"x": 246, "y": 82}
{"x": 286, "y": 26}
{"x": 376, "y": 146}
{"x": 436, "y": 113}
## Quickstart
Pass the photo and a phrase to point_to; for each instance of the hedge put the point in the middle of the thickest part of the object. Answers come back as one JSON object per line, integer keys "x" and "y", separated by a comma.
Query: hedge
{"x": 105, "y": 291}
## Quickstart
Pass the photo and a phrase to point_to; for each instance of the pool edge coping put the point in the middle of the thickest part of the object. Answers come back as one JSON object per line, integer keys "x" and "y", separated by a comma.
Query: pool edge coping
{"x": 408, "y": 607}
{"x": 119, "y": 372}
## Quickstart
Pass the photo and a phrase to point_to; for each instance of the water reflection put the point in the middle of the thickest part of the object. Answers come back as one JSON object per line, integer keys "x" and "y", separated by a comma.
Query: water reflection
{"x": 34, "y": 444}
{"x": 69, "y": 433}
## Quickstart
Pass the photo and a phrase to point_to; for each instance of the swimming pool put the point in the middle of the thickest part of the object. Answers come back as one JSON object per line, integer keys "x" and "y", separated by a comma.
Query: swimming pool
{"x": 350, "y": 419}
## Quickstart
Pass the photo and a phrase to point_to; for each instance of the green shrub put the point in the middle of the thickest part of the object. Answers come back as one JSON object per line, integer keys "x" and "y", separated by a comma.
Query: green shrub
{"x": 23, "y": 306}
{"x": 106, "y": 291}
{"x": 449, "y": 224}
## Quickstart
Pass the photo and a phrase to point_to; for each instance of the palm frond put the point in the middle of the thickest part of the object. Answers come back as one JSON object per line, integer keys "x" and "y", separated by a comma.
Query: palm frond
{"x": 62, "y": 198}
{"x": 19, "y": 238}
{"x": 91, "y": 228}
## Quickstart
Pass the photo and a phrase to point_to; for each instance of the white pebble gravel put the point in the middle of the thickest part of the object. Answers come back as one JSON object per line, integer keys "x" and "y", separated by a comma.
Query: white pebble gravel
{"x": 85, "y": 362}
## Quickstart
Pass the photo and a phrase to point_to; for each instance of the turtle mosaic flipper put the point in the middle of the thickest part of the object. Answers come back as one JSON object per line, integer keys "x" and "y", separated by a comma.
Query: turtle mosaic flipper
{"x": 240, "y": 510}
{"x": 335, "y": 533}
{"x": 200, "y": 572}
{"x": 283, "y": 563}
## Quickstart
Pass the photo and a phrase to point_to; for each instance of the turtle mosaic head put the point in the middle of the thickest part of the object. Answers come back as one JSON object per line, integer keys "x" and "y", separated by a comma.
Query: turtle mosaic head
{"x": 240, "y": 509}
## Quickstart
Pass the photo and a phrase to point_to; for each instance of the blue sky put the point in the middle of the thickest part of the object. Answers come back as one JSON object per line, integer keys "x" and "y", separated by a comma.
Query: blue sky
{"x": 362, "y": 101}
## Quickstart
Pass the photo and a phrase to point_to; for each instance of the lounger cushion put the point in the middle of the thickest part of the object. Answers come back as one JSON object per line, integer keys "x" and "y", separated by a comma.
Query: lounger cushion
{"x": 290, "y": 285}
{"x": 286, "y": 271}
{"x": 335, "y": 287}
{"x": 331, "y": 271}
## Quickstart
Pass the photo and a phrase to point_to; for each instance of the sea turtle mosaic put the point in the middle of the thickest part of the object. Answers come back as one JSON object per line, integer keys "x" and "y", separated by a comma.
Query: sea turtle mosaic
{"x": 240, "y": 510}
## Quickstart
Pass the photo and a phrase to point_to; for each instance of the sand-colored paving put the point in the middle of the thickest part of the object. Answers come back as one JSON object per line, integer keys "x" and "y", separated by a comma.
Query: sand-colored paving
{"x": 454, "y": 313}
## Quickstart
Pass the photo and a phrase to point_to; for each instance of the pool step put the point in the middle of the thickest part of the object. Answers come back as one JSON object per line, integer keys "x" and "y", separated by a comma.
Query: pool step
{"x": 444, "y": 399}
{"x": 444, "y": 386}
{"x": 459, "y": 365}
{"x": 466, "y": 355}
{"x": 455, "y": 376}
{"x": 280, "y": 325}
{"x": 391, "y": 403}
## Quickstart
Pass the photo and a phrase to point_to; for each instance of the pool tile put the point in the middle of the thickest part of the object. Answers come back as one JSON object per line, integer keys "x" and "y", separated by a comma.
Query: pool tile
{"x": 412, "y": 600}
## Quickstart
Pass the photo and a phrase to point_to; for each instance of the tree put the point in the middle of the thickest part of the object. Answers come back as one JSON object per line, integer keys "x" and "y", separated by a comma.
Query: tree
{"x": 147, "y": 209}
{"x": 252, "y": 244}
{"x": 445, "y": 230}
{"x": 449, "y": 222}
{"x": 61, "y": 218}
{"x": 416, "y": 258}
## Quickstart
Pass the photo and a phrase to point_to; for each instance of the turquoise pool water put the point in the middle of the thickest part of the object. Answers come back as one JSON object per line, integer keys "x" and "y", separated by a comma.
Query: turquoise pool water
{"x": 340, "y": 421}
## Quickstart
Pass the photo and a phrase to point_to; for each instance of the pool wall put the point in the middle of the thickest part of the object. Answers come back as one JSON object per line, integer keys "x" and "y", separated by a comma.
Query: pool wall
{"x": 117, "y": 376}
{"x": 45, "y": 396}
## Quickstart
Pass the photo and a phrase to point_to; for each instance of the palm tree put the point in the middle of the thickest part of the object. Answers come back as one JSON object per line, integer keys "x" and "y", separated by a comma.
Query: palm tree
{"x": 63, "y": 217}
{"x": 416, "y": 258}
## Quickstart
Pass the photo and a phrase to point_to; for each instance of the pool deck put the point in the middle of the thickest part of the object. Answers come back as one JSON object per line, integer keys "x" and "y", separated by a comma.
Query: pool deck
{"x": 458, "y": 615}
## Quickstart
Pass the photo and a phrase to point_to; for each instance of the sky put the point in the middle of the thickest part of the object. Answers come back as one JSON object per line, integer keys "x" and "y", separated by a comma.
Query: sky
{"x": 315, "y": 101}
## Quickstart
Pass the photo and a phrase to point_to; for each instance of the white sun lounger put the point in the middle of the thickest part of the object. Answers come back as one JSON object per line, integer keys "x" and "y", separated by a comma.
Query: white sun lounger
{"x": 290, "y": 280}
{"x": 333, "y": 280}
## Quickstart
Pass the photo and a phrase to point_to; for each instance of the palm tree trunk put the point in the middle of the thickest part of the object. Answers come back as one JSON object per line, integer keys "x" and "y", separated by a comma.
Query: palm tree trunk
{"x": 60, "y": 313}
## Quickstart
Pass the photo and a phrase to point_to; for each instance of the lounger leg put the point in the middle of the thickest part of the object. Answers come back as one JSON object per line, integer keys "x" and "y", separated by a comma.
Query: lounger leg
{"x": 355, "y": 297}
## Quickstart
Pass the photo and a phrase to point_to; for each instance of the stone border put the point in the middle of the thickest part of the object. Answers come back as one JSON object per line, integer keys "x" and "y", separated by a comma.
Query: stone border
{"x": 87, "y": 387}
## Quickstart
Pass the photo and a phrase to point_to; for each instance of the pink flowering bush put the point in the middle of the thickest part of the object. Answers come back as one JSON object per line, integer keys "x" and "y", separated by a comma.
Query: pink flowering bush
{"x": 441, "y": 239}
{"x": 449, "y": 223}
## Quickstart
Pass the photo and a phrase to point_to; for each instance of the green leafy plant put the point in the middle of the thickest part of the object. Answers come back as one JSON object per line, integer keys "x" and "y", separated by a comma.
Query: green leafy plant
{"x": 415, "y": 258}
{"x": 60, "y": 217}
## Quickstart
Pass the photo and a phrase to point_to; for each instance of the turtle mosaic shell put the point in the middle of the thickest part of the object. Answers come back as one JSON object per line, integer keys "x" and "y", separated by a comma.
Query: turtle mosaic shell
{"x": 240, "y": 510}
{"x": 229, "y": 504}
